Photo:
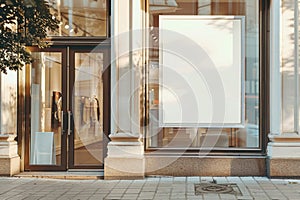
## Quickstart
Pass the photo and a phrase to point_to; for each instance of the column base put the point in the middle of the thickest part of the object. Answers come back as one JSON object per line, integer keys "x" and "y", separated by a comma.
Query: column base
{"x": 124, "y": 168}
{"x": 10, "y": 166}
{"x": 125, "y": 157}
{"x": 280, "y": 167}
{"x": 284, "y": 155}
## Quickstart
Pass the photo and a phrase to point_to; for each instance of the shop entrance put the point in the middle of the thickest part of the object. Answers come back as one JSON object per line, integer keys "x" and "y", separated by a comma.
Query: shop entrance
{"x": 67, "y": 97}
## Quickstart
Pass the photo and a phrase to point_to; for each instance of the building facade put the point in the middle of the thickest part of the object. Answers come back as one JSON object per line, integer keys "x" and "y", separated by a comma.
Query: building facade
{"x": 138, "y": 88}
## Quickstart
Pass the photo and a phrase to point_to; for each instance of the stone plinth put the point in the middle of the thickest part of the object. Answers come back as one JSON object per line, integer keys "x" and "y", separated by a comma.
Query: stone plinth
{"x": 125, "y": 157}
{"x": 284, "y": 155}
{"x": 9, "y": 159}
{"x": 205, "y": 166}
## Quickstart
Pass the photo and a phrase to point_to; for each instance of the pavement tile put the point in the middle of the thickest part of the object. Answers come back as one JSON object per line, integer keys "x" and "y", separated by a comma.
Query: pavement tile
{"x": 220, "y": 180}
{"x": 166, "y": 179}
{"x": 132, "y": 191}
{"x": 151, "y": 188}
{"x": 147, "y": 193}
{"x": 130, "y": 196}
{"x": 148, "y": 189}
{"x": 205, "y": 179}
{"x": 145, "y": 197}
{"x": 97, "y": 198}
{"x": 117, "y": 191}
{"x": 194, "y": 198}
{"x": 211, "y": 196}
{"x": 193, "y": 179}
{"x": 180, "y": 178}
{"x": 245, "y": 198}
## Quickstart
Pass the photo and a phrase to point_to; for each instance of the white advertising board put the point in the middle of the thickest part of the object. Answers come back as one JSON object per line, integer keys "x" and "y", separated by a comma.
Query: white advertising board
{"x": 201, "y": 71}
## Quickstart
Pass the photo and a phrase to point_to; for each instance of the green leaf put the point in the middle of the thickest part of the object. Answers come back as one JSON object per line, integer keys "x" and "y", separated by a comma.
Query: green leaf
{"x": 32, "y": 19}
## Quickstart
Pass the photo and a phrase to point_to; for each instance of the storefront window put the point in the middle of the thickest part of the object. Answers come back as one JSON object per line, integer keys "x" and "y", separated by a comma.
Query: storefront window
{"x": 244, "y": 135}
{"x": 80, "y": 18}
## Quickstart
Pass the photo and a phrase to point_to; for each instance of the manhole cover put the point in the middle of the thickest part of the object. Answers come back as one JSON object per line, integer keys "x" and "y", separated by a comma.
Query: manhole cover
{"x": 205, "y": 188}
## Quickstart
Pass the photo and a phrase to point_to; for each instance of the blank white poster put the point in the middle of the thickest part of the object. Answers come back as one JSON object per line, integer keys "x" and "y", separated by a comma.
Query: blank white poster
{"x": 201, "y": 71}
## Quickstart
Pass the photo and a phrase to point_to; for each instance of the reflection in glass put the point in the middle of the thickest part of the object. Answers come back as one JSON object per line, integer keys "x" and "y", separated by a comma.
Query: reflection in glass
{"x": 87, "y": 109}
{"x": 79, "y": 18}
{"x": 174, "y": 137}
{"x": 46, "y": 109}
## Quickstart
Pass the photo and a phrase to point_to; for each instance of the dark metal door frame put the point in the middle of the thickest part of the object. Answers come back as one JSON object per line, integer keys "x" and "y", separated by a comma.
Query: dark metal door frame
{"x": 63, "y": 160}
{"x": 67, "y": 143}
{"x": 106, "y": 101}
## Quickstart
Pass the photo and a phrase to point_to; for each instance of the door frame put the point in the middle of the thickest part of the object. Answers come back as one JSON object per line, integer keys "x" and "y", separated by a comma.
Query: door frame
{"x": 63, "y": 148}
{"x": 24, "y": 123}
{"x": 106, "y": 101}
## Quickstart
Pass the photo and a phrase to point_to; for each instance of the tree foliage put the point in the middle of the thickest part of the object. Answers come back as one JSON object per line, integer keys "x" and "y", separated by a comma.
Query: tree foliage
{"x": 22, "y": 23}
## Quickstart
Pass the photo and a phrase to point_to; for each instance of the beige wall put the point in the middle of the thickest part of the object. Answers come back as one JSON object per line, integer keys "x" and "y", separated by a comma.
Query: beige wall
{"x": 288, "y": 66}
{"x": 8, "y": 103}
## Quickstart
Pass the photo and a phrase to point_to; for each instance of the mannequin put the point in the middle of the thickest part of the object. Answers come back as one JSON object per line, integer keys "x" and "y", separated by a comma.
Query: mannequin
{"x": 56, "y": 109}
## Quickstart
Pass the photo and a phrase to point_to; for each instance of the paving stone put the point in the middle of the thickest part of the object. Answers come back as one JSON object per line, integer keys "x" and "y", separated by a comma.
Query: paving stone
{"x": 220, "y": 180}
{"x": 211, "y": 196}
{"x": 245, "y": 198}
{"x": 206, "y": 179}
{"x": 116, "y": 196}
{"x": 166, "y": 179}
{"x": 147, "y": 194}
{"x": 227, "y": 196}
{"x": 131, "y": 196}
{"x": 193, "y": 179}
{"x": 145, "y": 197}
{"x": 117, "y": 191}
{"x": 151, "y": 188}
{"x": 194, "y": 198}
{"x": 132, "y": 191}
{"x": 180, "y": 179}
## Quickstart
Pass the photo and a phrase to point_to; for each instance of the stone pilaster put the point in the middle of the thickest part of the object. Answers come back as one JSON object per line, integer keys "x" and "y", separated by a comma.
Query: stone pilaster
{"x": 125, "y": 152}
{"x": 284, "y": 155}
{"x": 284, "y": 139}
{"x": 125, "y": 157}
{"x": 9, "y": 159}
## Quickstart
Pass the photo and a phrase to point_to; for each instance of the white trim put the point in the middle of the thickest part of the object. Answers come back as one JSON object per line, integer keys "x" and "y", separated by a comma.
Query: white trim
{"x": 296, "y": 61}
{"x": 275, "y": 75}
{"x": 113, "y": 76}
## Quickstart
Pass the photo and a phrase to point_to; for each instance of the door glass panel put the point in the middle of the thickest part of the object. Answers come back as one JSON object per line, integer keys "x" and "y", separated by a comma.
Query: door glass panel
{"x": 195, "y": 137}
{"x": 87, "y": 109}
{"x": 46, "y": 109}
{"x": 79, "y": 18}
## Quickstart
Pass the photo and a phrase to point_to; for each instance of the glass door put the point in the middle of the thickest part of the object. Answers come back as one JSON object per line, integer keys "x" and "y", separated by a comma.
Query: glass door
{"x": 46, "y": 106}
{"x": 88, "y": 94}
{"x": 67, "y": 108}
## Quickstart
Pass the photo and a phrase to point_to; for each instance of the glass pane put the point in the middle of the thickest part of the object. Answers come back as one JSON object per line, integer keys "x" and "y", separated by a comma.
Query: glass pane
{"x": 46, "y": 109}
{"x": 88, "y": 109}
{"x": 173, "y": 137}
{"x": 85, "y": 18}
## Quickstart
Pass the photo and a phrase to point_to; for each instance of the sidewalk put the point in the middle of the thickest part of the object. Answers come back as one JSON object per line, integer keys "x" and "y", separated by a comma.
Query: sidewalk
{"x": 160, "y": 188}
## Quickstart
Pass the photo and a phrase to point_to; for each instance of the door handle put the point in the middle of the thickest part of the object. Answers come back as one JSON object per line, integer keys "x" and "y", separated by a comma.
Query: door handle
{"x": 64, "y": 125}
{"x": 70, "y": 123}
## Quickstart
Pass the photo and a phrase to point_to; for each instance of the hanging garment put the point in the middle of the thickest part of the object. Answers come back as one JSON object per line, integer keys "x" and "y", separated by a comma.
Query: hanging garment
{"x": 95, "y": 110}
{"x": 86, "y": 111}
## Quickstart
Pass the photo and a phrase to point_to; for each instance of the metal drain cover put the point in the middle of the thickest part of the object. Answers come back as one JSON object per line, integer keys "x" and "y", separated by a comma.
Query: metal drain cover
{"x": 213, "y": 188}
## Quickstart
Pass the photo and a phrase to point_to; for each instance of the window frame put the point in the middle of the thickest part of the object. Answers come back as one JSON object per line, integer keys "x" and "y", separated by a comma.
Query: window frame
{"x": 264, "y": 111}
{"x": 83, "y": 40}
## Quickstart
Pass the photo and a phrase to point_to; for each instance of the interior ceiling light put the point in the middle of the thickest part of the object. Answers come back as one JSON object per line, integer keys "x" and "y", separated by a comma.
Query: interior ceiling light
{"x": 162, "y": 6}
